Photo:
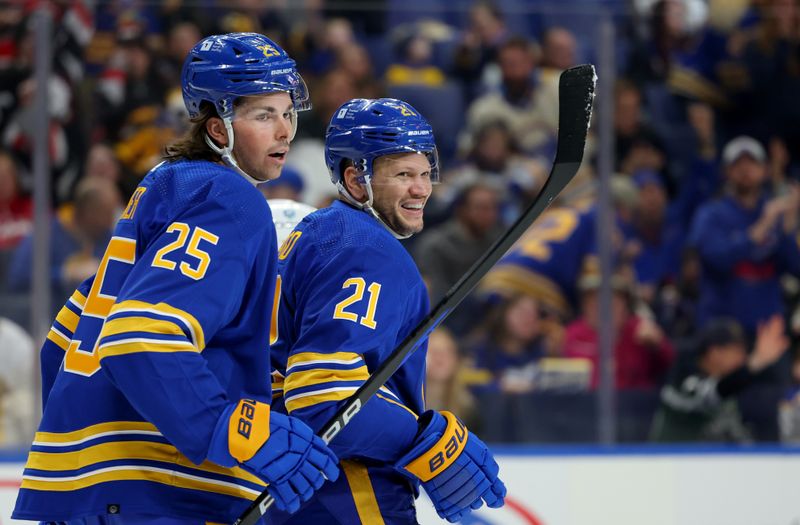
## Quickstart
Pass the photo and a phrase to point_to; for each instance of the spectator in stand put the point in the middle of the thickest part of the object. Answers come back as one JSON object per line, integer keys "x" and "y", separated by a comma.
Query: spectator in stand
{"x": 17, "y": 405}
{"x": 746, "y": 241}
{"x": 444, "y": 387}
{"x": 675, "y": 305}
{"x": 506, "y": 347}
{"x": 78, "y": 239}
{"x": 525, "y": 103}
{"x": 632, "y": 134}
{"x": 659, "y": 237}
{"x": 131, "y": 81}
{"x": 642, "y": 352}
{"x": 485, "y": 33}
{"x": 495, "y": 160}
{"x": 333, "y": 89}
{"x": 769, "y": 105}
{"x": 354, "y": 60}
{"x": 182, "y": 36}
{"x": 102, "y": 162}
{"x": 447, "y": 251}
{"x": 682, "y": 51}
{"x": 699, "y": 402}
{"x": 559, "y": 51}
{"x": 16, "y": 210}
{"x": 415, "y": 65}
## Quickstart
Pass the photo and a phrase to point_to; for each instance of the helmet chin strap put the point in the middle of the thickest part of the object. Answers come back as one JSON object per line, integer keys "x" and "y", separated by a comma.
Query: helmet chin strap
{"x": 227, "y": 153}
{"x": 367, "y": 206}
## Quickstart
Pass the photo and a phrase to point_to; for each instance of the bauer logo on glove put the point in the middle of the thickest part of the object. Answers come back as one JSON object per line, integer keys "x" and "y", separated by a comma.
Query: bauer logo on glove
{"x": 443, "y": 453}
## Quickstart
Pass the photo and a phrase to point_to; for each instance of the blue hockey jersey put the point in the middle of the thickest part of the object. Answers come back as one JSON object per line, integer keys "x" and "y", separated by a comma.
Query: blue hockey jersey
{"x": 143, "y": 358}
{"x": 350, "y": 293}
{"x": 547, "y": 262}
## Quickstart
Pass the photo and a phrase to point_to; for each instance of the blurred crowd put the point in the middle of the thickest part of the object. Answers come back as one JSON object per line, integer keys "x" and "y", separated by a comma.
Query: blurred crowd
{"x": 705, "y": 193}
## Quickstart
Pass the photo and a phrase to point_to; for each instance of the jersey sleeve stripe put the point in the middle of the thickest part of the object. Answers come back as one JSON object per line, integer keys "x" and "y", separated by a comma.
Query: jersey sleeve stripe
{"x": 91, "y": 432}
{"x": 318, "y": 359}
{"x": 165, "y": 476}
{"x": 135, "y": 346}
{"x": 306, "y": 399}
{"x": 68, "y": 319}
{"x": 122, "y": 325}
{"x": 510, "y": 279}
{"x": 298, "y": 380}
{"x": 187, "y": 320}
{"x": 61, "y": 340}
{"x": 125, "y": 450}
{"x": 78, "y": 300}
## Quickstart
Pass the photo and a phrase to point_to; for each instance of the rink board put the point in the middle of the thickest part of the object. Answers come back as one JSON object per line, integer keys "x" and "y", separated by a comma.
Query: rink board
{"x": 621, "y": 486}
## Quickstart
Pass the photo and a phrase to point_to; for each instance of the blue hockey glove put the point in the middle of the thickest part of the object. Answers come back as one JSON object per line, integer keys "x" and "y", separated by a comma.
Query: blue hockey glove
{"x": 455, "y": 467}
{"x": 281, "y": 450}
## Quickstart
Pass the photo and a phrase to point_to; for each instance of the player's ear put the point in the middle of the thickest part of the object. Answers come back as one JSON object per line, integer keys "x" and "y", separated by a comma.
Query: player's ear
{"x": 215, "y": 128}
{"x": 352, "y": 181}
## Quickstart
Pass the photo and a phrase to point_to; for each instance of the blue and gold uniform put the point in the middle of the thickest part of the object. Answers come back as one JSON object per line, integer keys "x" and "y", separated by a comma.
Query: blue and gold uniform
{"x": 350, "y": 293}
{"x": 144, "y": 357}
{"x": 548, "y": 260}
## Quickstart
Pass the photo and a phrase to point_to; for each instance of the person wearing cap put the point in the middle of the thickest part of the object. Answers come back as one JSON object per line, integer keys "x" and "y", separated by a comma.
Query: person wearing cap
{"x": 745, "y": 240}
{"x": 699, "y": 401}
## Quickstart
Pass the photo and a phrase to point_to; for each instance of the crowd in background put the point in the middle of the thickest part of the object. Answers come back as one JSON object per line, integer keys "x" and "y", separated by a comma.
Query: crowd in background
{"x": 706, "y": 123}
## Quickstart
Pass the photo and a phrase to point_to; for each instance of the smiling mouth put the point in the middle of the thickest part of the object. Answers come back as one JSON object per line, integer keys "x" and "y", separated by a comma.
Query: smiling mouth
{"x": 412, "y": 207}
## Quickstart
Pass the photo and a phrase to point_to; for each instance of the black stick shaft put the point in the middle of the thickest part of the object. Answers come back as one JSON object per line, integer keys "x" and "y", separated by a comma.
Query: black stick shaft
{"x": 576, "y": 92}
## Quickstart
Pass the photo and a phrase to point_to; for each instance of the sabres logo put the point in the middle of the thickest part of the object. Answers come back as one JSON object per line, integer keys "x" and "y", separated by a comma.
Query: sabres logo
{"x": 404, "y": 109}
{"x": 269, "y": 51}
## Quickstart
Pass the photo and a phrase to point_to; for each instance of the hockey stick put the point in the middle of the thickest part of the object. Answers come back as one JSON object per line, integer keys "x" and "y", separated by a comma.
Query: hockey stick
{"x": 575, "y": 94}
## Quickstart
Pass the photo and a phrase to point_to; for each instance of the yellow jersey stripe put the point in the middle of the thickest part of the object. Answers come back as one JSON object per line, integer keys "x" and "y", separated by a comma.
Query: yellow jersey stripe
{"x": 78, "y": 299}
{"x": 123, "y": 325}
{"x": 135, "y": 346}
{"x": 58, "y": 338}
{"x": 307, "y": 399}
{"x": 316, "y": 358}
{"x": 363, "y": 493}
{"x": 68, "y": 319}
{"x": 100, "y": 430}
{"x": 138, "y": 473}
{"x": 187, "y": 319}
{"x": 122, "y": 450}
{"x": 323, "y": 375}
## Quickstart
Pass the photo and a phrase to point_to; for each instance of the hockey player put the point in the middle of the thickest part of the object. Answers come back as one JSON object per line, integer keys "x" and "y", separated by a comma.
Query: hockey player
{"x": 156, "y": 407}
{"x": 349, "y": 294}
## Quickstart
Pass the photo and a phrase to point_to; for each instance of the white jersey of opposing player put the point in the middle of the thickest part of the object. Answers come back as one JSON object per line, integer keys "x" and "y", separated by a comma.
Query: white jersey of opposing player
{"x": 286, "y": 214}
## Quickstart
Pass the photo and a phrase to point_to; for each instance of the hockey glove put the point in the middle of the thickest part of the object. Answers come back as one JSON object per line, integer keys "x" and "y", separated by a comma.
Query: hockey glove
{"x": 455, "y": 467}
{"x": 281, "y": 450}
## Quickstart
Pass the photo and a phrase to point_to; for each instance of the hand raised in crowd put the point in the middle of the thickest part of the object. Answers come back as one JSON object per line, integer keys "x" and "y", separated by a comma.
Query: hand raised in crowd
{"x": 771, "y": 343}
{"x": 774, "y": 210}
{"x": 648, "y": 332}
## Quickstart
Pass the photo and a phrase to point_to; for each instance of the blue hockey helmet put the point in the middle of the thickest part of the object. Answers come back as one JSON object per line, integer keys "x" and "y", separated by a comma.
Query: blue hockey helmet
{"x": 221, "y": 68}
{"x": 362, "y": 130}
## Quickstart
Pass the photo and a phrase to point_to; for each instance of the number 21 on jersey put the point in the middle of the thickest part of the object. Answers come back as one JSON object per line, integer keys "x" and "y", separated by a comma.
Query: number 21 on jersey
{"x": 358, "y": 284}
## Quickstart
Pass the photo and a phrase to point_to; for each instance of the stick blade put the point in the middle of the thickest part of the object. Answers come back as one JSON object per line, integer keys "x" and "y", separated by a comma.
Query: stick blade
{"x": 575, "y": 98}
